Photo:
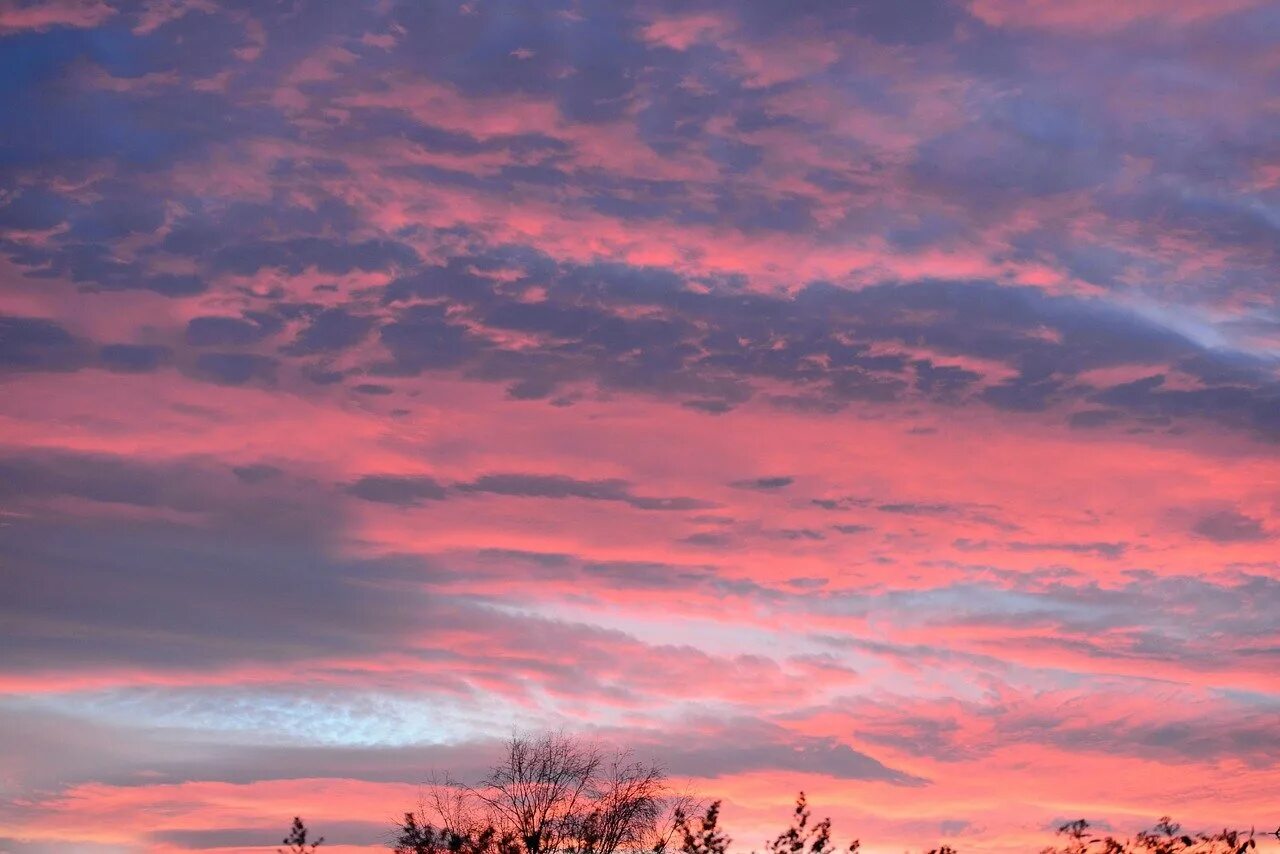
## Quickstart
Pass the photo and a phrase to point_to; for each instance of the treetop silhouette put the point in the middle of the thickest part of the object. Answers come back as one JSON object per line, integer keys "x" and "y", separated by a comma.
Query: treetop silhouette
{"x": 555, "y": 794}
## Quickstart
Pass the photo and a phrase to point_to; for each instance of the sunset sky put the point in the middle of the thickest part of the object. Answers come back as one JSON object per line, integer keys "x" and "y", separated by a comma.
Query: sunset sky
{"x": 875, "y": 398}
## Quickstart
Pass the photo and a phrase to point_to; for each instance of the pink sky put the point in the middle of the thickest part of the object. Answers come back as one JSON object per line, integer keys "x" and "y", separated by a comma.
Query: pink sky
{"x": 877, "y": 399}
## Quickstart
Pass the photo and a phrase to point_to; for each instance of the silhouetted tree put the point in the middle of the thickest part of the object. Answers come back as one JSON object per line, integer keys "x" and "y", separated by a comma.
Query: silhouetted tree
{"x": 548, "y": 795}
{"x": 297, "y": 840}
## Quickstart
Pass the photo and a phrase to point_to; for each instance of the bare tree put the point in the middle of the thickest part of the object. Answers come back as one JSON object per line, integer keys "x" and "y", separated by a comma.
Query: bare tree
{"x": 541, "y": 790}
{"x": 626, "y": 807}
{"x": 554, "y": 794}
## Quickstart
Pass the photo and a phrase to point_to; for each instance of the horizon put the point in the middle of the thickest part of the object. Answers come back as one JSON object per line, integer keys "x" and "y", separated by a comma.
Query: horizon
{"x": 874, "y": 399}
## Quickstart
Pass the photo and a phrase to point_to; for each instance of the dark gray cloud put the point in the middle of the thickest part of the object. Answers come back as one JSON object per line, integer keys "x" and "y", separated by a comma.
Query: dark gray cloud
{"x": 422, "y": 338}
{"x": 330, "y": 330}
{"x": 917, "y": 509}
{"x": 256, "y": 472}
{"x": 367, "y": 833}
{"x": 33, "y": 208}
{"x": 402, "y": 490}
{"x": 206, "y": 598}
{"x": 133, "y": 358}
{"x": 235, "y": 368}
{"x": 328, "y": 256}
{"x": 1112, "y": 550}
{"x": 280, "y": 506}
{"x": 373, "y": 388}
{"x": 1090, "y": 418}
{"x": 766, "y": 483}
{"x": 561, "y": 486}
{"x": 37, "y": 344}
{"x": 1230, "y": 526}
{"x": 225, "y": 331}
{"x": 406, "y": 490}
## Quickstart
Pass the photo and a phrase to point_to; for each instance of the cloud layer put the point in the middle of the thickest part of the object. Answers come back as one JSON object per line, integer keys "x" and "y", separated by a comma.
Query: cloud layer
{"x": 881, "y": 399}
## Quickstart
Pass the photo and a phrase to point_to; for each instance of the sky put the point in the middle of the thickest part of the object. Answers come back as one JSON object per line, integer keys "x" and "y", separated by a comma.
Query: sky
{"x": 875, "y": 398}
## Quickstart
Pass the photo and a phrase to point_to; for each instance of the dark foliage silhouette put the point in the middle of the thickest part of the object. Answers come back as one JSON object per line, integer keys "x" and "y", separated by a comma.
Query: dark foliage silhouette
{"x": 703, "y": 836}
{"x": 1165, "y": 838}
{"x": 548, "y": 795}
{"x": 413, "y": 837}
{"x": 297, "y": 840}
{"x": 802, "y": 837}
{"x": 557, "y": 795}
